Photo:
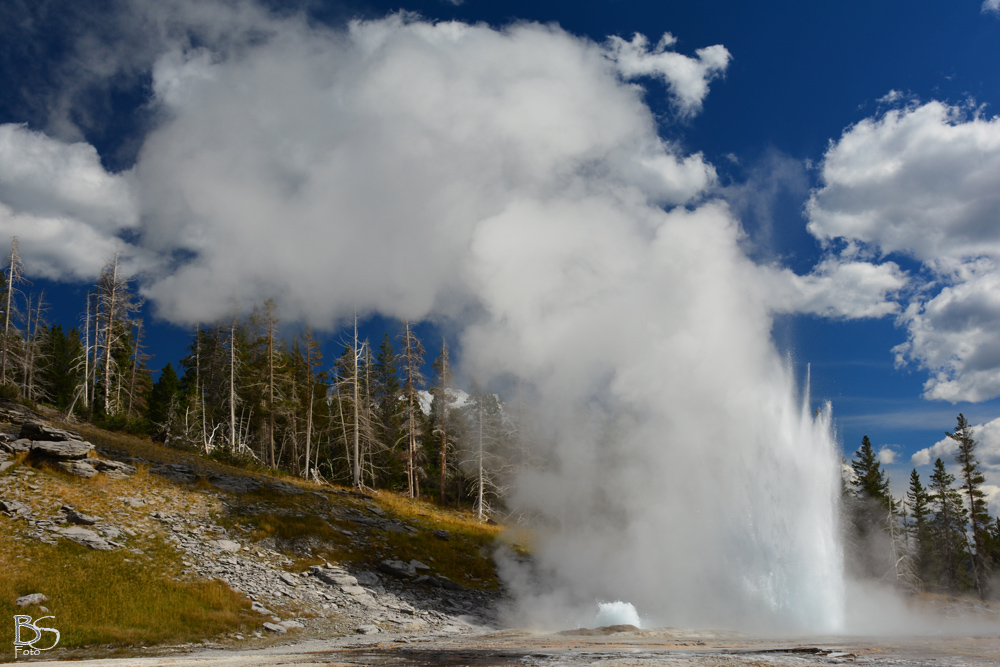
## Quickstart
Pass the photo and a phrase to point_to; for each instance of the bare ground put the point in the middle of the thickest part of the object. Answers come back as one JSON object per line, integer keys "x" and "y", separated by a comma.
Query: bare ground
{"x": 676, "y": 648}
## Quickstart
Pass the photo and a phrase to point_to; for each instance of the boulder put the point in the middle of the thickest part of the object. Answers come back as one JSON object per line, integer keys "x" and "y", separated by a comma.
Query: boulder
{"x": 335, "y": 577}
{"x": 5, "y": 465}
{"x": 227, "y": 545}
{"x": 397, "y": 568}
{"x": 15, "y": 508}
{"x": 275, "y": 628}
{"x": 114, "y": 469}
{"x": 418, "y": 566}
{"x": 87, "y": 538}
{"x": 261, "y": 609}
{"x": 78, "y": 468}
{"x": 367, "y": 578}
{"x": 18, "y": 446}
{"x": 442, "y": 535}
{"x": 110, "y": 532}
{"x": 366, "y": 629}
{"x": 291, "y": 625}
{"x": 36, "y": 431}
{"x": 79, "y": 519}
{"x": 288, "y": 579}
{"x": 15, "y": 413}
{"x": 63, "y": 450}
{"x": 134, "y": 502}
{"x": 33, "y": 598}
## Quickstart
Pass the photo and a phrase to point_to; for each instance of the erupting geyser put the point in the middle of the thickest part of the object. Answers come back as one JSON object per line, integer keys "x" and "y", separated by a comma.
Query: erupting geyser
{"x": 617, "y": 613}
{"x": 512, "y": 184}
{"x": 683, "y": 470}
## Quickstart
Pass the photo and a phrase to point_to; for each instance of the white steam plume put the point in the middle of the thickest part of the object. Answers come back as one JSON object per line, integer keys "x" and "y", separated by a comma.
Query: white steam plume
{"x": 513, "y": 181}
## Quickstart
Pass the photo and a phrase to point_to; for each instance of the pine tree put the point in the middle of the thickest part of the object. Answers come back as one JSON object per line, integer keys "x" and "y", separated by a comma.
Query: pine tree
{"x": 972, "y": 480}
{"x": 920, "y": 530}
{"x": 162, "y": 396}
{"x": 949, "y": 525}
{"x": 994, "y": 542}
{"x": 58, "y": 374}
{"x": 387, "y": 418}
{"x": 869, "y": 478}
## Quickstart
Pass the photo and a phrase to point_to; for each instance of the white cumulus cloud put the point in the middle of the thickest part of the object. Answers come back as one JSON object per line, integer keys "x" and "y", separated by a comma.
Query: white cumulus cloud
{"x": 65, "y": 208}
{"x": 924, "y": 181}
{"x": 991, "y": 6}
{"x": 687, "y": 77}
{"x": 887, "y": 454}
{"x": 838, "y": 288}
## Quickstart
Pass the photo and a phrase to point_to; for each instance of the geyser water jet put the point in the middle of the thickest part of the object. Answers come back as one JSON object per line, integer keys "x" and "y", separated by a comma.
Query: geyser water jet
{"x": 682, "y": 469}
{"x": 617, "y": 613}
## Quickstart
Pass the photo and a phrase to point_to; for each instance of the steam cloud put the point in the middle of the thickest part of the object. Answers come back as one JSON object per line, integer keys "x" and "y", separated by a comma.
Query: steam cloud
{"x": 513, "y": 183}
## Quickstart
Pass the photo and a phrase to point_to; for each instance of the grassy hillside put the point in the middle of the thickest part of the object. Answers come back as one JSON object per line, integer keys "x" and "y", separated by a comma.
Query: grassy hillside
{"x": 144, "y": 593}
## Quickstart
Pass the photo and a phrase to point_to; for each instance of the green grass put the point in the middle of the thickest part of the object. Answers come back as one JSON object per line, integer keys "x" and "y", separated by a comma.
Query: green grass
{"x": 114, "y": 598}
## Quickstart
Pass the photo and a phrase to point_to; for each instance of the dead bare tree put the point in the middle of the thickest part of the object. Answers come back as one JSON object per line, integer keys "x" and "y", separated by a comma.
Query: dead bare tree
{"x": 116, "y": 304}
{"x": 412, "y": 359}
{"x": 443, "y": 368}
{"x": 484, "y": 451}
{"x": 13, "y": 277}
{"x": 29, "y": 357}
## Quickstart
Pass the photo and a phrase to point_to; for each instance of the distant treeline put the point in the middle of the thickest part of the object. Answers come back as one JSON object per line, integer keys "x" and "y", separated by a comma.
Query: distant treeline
{"x": 242, "y": 393}
{"x": 939, "y": 537}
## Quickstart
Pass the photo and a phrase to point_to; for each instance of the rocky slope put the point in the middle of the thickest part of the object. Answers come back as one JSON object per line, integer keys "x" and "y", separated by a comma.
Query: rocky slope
{"x": 313, "y": 560}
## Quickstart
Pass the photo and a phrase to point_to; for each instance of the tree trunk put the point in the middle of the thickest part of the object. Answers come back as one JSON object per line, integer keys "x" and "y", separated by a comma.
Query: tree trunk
{"x": 309, "y": 423}
{"x": 13, "y": 273}
{"x": 232, "y": 388}
{"x": 109, "y": 318}
{"x": 356, "y": 470}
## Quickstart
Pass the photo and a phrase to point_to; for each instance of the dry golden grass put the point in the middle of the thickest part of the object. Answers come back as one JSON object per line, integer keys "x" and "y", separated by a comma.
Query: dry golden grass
{"x": 115, "y": 597}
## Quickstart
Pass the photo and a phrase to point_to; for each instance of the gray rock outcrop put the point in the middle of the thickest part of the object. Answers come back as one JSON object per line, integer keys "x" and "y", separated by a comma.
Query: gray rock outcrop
{"x": 398, "y": 568}
{"x": 113, "y": 469}
{"x": 15, "y": 508}
{"x": 87, "y": 538}
{"x": 43, "y": 432}
{"x": 31, "y": 599}
{"x": 77, "y": 468}
{"x": 61, "y": 450}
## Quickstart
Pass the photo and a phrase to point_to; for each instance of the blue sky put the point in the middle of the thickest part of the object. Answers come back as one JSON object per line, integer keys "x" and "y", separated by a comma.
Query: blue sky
{"x": 854, "y": 142}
